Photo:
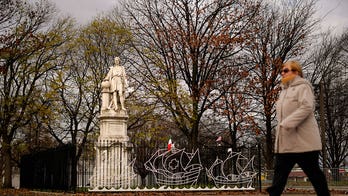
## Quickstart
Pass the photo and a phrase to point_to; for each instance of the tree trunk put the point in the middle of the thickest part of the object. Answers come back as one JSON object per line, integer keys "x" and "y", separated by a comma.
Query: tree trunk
{"x": 268, "y": 152}
{"x": 143, "y": 181}
{"x": 322, "y": 124}
{"x": 73, "y": 173}
{"x": 6, "y": 157}
{"x": 193, "y": 143}
{"x": 1, "y": 168}
{"x": 193, "y": 140}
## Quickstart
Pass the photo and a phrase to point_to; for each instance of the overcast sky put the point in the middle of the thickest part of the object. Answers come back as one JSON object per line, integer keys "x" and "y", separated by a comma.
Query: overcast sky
{"x": 334, "y": 11}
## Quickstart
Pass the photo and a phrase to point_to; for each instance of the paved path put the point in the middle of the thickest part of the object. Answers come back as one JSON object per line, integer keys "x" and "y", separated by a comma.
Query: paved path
{"x": 298, "y": 192}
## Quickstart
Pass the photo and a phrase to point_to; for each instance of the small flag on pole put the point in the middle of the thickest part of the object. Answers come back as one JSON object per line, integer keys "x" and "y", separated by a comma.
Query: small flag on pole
{"x": 169, "y": 144}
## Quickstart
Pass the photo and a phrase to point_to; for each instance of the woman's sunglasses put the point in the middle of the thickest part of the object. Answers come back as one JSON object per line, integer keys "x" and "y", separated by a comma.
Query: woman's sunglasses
{"x": 286, "y": 70}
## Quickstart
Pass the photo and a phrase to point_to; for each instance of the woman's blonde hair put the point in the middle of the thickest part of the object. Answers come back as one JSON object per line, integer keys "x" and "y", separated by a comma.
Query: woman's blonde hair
{"x": 295, "y": 66}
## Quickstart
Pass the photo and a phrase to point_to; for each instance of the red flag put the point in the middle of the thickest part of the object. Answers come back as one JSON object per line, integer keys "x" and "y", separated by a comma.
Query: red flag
{"x": 169, "y": 144}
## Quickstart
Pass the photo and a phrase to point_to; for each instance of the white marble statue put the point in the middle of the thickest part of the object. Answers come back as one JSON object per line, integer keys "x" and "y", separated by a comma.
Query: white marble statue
{"x": 116, "y": 82}
{"x": 113, "y": 169}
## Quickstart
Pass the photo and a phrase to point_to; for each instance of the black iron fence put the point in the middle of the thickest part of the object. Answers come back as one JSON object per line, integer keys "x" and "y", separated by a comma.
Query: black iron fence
{"x": 53, "y": 169}
{"x": 49, "y": 169}
{"x": 145, "y": 166}
{"x": 208, "y": 155}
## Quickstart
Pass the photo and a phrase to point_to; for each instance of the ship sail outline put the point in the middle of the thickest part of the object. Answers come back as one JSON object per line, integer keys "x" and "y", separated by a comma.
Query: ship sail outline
{"x": 180, "y": 174}
{"x": 243, "y": 175}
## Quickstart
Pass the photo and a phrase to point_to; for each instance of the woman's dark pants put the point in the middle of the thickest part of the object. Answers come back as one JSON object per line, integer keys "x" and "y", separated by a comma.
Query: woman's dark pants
{"x": 308, "y": 161}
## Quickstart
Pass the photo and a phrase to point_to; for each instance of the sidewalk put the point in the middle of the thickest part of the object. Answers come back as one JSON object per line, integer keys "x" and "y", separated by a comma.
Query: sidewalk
{"x": 289, "y": 192}
{"x": 194, "y": 193}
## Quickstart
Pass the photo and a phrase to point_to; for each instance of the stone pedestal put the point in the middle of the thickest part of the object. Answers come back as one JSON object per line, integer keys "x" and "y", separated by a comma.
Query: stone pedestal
{"x": 113, "y": 125}
{"x": 113, "y": 168}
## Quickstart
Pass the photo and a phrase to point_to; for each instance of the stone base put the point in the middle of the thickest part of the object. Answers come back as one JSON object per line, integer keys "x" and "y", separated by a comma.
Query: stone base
{"x": 113, "y": 167}
{"x": 113, "y": 125}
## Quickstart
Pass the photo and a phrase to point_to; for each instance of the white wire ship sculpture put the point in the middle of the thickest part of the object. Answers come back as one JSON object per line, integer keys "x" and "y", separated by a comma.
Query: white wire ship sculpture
{"x": 175, "y": 167}
{"x": 223, "y": 174}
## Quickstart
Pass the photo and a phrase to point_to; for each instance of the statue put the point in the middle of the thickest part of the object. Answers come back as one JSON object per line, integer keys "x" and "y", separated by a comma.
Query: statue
{"x": 112, "y": 166}
{"x": 116, "y": 82}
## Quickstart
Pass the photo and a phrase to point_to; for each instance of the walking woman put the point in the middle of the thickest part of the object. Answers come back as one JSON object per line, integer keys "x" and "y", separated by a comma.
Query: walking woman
{"x": 297, "y": 134}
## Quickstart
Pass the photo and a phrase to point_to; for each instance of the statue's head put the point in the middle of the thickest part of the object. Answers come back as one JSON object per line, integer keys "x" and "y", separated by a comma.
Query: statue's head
{"x": 117, "y": 61}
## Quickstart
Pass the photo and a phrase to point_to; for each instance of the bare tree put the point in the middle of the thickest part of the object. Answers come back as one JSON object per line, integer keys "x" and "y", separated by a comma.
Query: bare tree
{"x": 28, "y": 47}
{"x": 8, "y": 11}
{"x": 282, "y": 31}
{"x": 181, "y": 48}
{"x": 328, "y": 71}
{"x": 235, "y": 108}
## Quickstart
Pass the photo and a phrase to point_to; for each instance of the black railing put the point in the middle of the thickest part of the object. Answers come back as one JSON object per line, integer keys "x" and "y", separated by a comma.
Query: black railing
{"x": 52, "y": 169}
{"x": 49, "y": 169}
{"x": 208, "y": 155}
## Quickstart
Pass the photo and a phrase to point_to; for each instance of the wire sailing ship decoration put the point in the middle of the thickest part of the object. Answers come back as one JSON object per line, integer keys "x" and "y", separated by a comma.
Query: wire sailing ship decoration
{"x": 178, "y": 170}
{"x": 222, "y": 175}
{"x": 175, "y": 167}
